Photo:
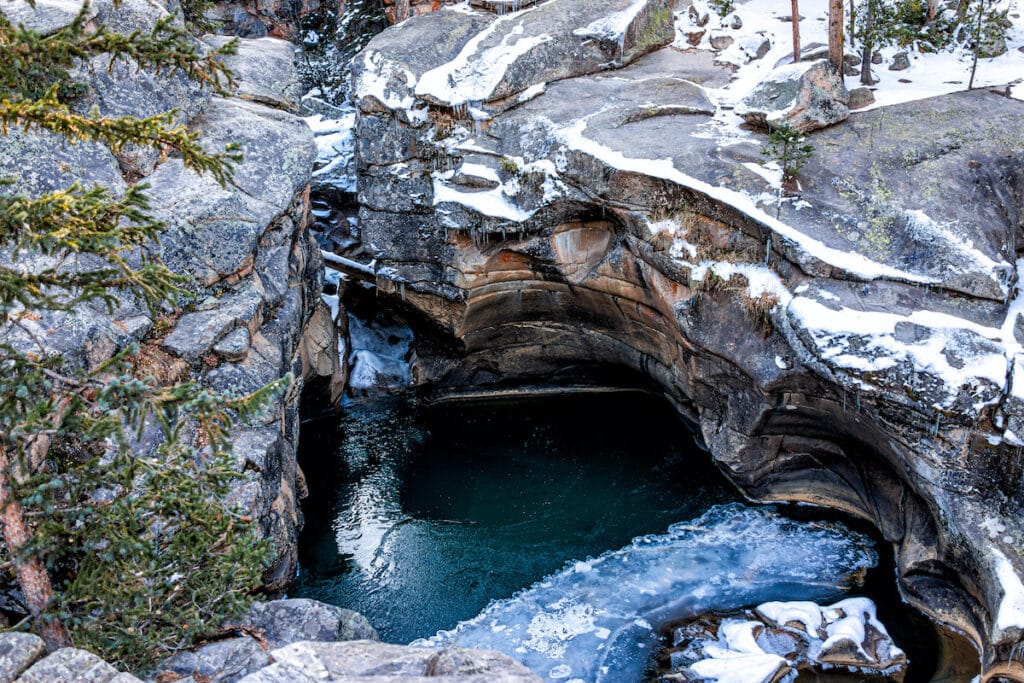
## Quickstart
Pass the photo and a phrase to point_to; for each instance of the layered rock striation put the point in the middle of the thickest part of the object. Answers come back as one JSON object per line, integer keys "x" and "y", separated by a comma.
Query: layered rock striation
{"x": 557, "y": 194}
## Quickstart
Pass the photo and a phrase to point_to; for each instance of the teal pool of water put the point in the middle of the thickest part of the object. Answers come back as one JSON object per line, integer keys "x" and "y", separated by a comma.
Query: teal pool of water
{"x": 419, "y": 516}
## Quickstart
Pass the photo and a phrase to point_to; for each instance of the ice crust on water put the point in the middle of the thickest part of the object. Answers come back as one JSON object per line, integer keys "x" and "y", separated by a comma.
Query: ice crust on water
{"x": 599, "y": 620}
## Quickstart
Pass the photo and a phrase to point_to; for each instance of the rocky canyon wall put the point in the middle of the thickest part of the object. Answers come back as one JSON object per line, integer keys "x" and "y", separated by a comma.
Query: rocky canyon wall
{"x": 549, "y": 193}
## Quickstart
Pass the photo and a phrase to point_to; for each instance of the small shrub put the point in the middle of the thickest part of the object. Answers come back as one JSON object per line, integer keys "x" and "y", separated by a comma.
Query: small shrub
{"x": 759, "y": 308}
{"x": 788, "y": 147}
{"x": 510, "y": 166}
{"x": 722, "y": 8}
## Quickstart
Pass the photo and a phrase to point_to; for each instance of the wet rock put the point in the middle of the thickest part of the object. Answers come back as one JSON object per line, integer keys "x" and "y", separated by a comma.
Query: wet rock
{"x": 18, "y": 651}
{"x": 778, "y": 637}
{"x": 289, "y": 621}
{"x": 805, "y": 96}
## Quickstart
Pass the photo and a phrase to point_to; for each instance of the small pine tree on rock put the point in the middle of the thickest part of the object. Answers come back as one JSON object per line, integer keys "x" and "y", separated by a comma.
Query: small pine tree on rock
{"x": 789, "y": 148}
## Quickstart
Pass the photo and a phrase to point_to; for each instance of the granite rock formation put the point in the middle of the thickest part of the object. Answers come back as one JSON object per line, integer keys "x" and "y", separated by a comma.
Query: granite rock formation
{"x": 551, "y": 214}
{"x": 253, "y": 308}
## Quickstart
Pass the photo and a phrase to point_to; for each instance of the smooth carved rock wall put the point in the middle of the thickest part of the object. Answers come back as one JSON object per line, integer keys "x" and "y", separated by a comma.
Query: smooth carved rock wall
{"x": 534, "y": 246}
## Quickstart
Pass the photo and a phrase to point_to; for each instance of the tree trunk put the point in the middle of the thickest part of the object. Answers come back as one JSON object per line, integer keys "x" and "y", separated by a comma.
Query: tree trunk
{"x": 795, "y": 9}
{"x": 982, "y": 7}
{"x": 865, "y": 66}
{"x": 835, "y": 34}
{"x": 30, "y": 571}
{"x": 853, "y": 28}
{"x": 866, "y": 54}
{"x": 401, "y": 11}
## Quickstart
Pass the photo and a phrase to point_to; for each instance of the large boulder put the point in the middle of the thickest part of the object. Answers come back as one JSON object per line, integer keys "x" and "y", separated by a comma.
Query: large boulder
{"x": 224, "y": 661}
{"x": 283, "y": 622}
{"x": 806, "y": 96}
{"x": 69, "y": 664}
{"x": 263, "y": 69}
{"x": 485, "y": 59}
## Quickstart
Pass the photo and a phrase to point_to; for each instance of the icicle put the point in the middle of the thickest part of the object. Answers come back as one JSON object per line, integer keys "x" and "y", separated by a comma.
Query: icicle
{"x": 935, "y": 428}
{"x": 401, "y": 290}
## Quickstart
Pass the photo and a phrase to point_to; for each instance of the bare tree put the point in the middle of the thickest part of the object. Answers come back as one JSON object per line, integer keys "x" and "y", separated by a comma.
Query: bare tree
{"x": 795, "y": 8}
{"x": 835, "y": 34}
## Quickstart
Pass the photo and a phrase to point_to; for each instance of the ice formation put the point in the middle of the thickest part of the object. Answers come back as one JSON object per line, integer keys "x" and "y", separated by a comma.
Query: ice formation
{"x": 599, "y": 620}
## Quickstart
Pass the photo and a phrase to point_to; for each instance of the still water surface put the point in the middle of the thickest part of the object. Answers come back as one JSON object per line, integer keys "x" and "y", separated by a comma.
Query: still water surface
{"x": 426, "y": 514}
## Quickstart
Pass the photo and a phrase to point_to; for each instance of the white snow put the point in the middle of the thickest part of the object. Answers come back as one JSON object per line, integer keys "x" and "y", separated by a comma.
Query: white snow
{"x": 379, "y": 77}
{"x": 929, "y": 75}
{"x": 877, "y": 347}
{"x": 849, "y": 629}
{"x": 479, "y": 171}
{"x": 743, "y": 668}
{"x": 771, "y": 172}
{"x": 614, "y": 26}
{"x": 1011, "y": 607}
{"x": 993, "y": 526}
{"x": 495, "y": 202}
{"x": 802, "y": 612}
{"x": 740, "y": 636}
{"x": 473, "y": 75}
{"x": 335, "y": 148}
{"x": 856, "y": 264}
{"x": 761, "y": 279}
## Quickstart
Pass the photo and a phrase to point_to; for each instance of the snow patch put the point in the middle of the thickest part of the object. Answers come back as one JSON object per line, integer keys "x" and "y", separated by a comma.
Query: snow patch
{"x": 473, "y": 75}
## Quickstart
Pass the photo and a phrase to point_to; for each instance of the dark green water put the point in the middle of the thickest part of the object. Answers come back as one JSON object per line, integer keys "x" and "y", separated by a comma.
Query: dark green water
{"x": 426, "y": 514}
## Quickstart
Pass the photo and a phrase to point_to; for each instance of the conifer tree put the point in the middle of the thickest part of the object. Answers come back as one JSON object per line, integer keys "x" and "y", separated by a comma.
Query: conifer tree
{"x": 129, "y": 551}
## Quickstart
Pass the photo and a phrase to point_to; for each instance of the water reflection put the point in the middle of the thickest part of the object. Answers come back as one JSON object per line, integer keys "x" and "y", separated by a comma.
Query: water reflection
{"x": 438, "y": 511}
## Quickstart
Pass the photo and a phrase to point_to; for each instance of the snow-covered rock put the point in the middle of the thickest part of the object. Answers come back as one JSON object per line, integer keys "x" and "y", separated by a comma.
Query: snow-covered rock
{"x": 777, "y": 640}
{"x": 805, "y": 95}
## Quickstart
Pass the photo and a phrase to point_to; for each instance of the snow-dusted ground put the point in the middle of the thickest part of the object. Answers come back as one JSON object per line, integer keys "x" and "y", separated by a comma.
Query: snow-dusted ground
{"x": 930, "y": 74}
